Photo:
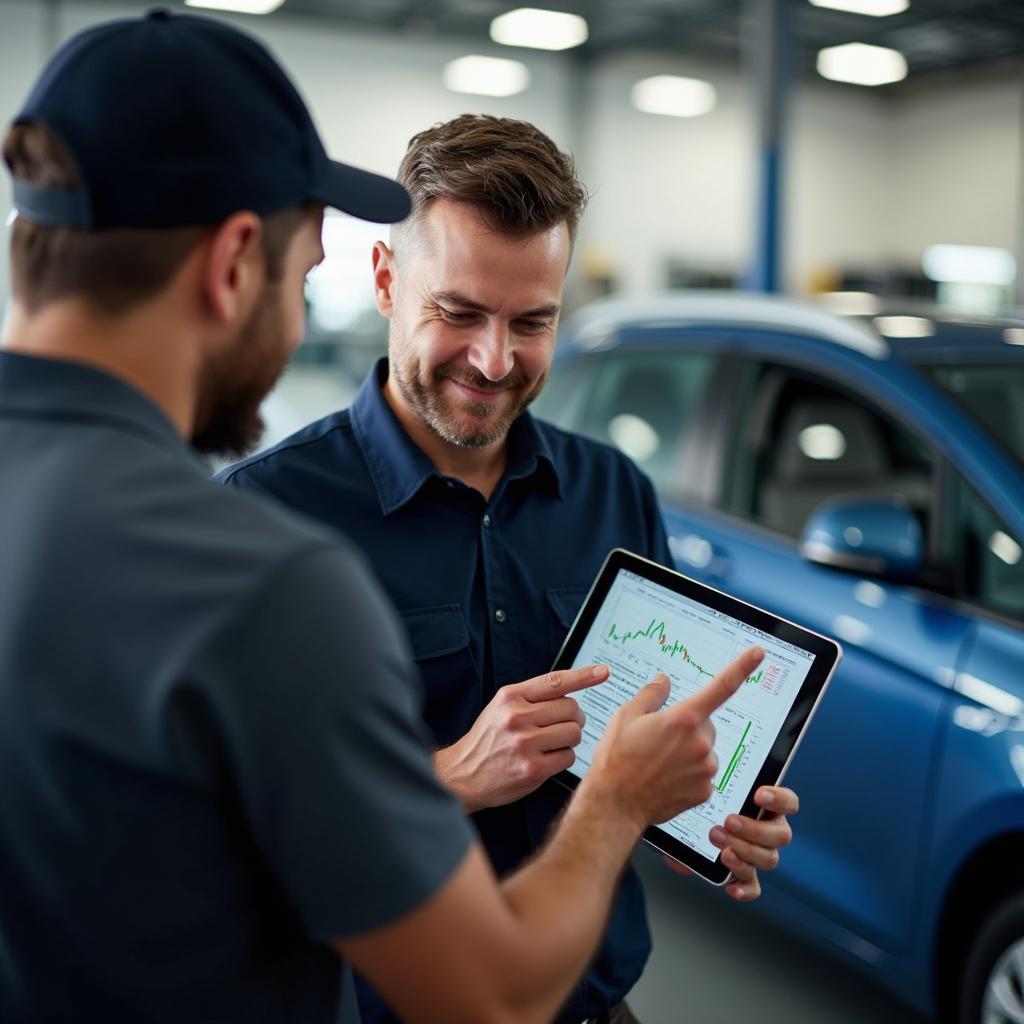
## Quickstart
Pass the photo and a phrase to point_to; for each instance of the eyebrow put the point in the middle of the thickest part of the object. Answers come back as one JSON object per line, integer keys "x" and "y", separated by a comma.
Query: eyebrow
{"x": 455, "y": 299}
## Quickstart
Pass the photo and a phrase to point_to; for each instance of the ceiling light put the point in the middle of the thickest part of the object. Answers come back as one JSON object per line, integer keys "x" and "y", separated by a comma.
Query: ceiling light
{"x": 486, "y": 76}
{"x": 237, "y": 6}
{"x": 1005, "y": 548}
{"x": 1014, "y": 335}
{"x": 904, "y": 326}
{"x": 861, "y": 64}
{"x": 851, "y": 303}
{"x": 823, "y": 442}
{"x": 540, "y": 30}
{"x": 674, "y": 96}
{"x": 872, "y": 8}
{"x": 969, "y": 264}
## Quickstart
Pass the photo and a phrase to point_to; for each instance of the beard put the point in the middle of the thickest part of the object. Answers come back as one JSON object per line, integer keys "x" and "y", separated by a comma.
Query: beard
{"x": 463, "y": 423}
{"x": 234, "y": 382}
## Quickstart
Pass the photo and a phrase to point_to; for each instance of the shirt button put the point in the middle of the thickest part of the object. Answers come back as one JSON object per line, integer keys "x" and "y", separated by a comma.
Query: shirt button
{"x": 487, "y": 520}
{"x": 500, "y": 615}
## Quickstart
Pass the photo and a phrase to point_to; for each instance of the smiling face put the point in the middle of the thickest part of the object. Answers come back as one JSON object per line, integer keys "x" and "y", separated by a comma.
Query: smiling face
{"x": 473, "y": 317}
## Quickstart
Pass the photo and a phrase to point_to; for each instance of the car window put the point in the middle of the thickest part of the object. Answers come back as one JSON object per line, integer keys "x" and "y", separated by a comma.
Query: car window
{"x": 993, "y": 395}
{"x": 565, "y": 391}
{"x": 643, "y": 403}
{"x": 989, "y": 558}
{"x": 802, "y": 441}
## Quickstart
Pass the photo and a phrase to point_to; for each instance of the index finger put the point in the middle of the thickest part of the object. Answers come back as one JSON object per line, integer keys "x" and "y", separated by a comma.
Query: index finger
{"x": 725, "y": 684}
{"x": 566, "y": 680}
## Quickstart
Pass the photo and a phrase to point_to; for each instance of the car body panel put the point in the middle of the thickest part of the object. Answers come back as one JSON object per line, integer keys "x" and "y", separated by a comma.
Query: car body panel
{"x": 915, "y": 761}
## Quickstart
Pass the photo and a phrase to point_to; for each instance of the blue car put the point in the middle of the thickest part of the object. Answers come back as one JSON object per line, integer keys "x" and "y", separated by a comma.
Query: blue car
{"x": 864, "y": 478}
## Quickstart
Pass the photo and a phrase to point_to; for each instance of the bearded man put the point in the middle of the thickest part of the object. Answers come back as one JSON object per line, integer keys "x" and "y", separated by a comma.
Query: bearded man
{"x": 487, "y": 526}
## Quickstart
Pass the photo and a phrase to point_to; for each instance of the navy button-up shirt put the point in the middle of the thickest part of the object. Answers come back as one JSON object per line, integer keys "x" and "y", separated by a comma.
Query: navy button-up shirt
{"x": 486, "y": 588}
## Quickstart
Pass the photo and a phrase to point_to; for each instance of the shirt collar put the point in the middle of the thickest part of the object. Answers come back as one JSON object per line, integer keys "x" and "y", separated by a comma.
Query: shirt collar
{"x": 63, "y": 389}
{"x": 399, "y": 468}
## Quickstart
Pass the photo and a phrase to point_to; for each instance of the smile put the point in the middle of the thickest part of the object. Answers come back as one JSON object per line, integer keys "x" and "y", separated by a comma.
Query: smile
{"x": 476, "y": 394}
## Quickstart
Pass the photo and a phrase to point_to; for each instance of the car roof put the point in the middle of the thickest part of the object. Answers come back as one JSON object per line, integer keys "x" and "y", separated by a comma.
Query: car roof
{"x": 951, "y": 335}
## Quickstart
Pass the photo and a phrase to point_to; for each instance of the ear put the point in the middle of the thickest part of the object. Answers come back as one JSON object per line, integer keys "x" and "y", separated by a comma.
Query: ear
{"x": 384, "y": 278}
{"x": 235, "y": 268}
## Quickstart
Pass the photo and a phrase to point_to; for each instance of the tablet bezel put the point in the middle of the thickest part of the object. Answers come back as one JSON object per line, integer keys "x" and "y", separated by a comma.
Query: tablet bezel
{"x": 826, "y": 653}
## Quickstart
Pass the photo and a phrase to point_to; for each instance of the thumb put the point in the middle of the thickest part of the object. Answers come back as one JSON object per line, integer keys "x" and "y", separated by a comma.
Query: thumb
{"x": 649, "y": 698}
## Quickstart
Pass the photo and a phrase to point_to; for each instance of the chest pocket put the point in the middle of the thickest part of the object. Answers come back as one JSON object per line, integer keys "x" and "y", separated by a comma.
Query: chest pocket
{"x": 440, "y": 643}
{"x": 563, "y": 603}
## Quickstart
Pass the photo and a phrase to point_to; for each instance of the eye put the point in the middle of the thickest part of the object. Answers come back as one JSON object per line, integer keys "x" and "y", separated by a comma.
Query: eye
{"x": 455, "y": 318}
{"x": 534, "y": 326}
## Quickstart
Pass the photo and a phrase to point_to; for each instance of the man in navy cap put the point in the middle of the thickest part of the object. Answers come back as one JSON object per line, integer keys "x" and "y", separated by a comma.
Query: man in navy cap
{"x": 485, "y": 525}
{"x": 216, "y": 790}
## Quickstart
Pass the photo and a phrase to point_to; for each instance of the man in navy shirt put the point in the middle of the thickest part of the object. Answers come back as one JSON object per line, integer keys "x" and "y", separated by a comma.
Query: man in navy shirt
{"x": 486, "y": 526}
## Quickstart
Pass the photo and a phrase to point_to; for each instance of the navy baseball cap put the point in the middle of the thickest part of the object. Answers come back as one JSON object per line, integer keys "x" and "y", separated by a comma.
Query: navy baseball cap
{"x": 175, "y": 120}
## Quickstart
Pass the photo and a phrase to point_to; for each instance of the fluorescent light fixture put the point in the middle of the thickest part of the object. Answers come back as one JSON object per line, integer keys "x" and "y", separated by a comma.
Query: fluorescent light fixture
{"x": 540, "y": 30}
{"x": 861, "y": 64}
{"x": 904, "y": 326}
{"x": 969, "y": 264}
{"x": 1014, "y": 336}
{"x": 1005, "y": 548}
{"x": 851, "y": 303}
{"x": 823, "y": 442}
{"x": 872, "y": 8}
{"x": 634, "y": 436}
{"x": 674, "y": 96}
{"x": 12, "y": 217}
{"x": 237, "y": 6}
{"x": 486, "y": 76}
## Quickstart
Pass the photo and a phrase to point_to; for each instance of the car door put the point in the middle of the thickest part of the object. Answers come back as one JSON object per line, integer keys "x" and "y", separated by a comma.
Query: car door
{"x": 864, "y": 772}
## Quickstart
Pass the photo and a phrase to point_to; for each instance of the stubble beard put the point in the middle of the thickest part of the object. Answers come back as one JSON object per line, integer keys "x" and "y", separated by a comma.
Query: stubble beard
{"x": 424, "y": 393}
{"x": 235, "y": 382}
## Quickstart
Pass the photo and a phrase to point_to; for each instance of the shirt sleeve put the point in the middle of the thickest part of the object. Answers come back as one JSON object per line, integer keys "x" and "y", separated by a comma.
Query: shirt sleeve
{"x": 317, "y": 705}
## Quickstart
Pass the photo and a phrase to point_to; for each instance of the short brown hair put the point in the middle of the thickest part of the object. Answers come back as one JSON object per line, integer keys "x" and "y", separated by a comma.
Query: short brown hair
{"x": 113, "y": 269}
{"x": 520, "y": 181}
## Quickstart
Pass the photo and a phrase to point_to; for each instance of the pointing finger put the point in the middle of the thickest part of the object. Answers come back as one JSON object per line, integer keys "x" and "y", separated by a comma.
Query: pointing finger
{"x": 650, "y": 697}
{"x": 568, "y": 680}
{"x": 725, "y": 684}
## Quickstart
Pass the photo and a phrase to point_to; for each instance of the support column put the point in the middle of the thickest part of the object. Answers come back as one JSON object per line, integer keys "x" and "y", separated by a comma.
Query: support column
{"x": 768, "y": 51}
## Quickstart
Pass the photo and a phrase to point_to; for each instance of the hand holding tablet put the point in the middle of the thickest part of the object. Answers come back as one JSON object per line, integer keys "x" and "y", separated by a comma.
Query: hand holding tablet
{"x": 642, "y": 620}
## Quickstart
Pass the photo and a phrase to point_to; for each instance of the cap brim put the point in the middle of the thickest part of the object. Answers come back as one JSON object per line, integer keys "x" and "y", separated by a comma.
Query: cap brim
{"x": 362, "y": 194}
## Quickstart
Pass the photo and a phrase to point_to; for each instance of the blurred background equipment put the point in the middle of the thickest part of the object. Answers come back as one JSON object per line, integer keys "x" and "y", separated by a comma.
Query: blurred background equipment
{"x": 855, "y": 460}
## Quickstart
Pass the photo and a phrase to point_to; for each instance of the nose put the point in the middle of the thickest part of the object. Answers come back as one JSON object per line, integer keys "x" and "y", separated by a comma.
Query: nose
{"x": 491, "y": 351}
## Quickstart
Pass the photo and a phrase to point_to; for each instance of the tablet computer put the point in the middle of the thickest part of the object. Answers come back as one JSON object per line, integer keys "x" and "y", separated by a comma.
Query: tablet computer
{"x": 641, "y": 619}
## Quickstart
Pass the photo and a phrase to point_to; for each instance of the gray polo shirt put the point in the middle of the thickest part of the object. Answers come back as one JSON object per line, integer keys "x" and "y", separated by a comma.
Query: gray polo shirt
{"x": 211, "y": 754}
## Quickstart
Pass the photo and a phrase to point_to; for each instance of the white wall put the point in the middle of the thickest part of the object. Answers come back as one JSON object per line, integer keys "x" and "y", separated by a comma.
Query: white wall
{"x": 369, "y": 93}
{"x": 871, "y": 178}
{"x": 664, "y": 186}
{"x": 956, "y": 165}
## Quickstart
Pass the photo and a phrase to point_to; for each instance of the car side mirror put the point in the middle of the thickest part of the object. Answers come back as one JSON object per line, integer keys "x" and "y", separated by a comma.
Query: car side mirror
{"x": 874, "y": 537}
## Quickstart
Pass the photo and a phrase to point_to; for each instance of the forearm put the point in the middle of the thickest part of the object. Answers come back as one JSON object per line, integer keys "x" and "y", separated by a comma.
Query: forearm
{"x": 457, "y": 776}
{"x": 562, "y": 898}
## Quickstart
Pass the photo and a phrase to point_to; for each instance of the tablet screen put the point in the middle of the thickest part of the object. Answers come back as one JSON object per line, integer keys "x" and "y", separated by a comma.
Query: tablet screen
{"x": 643, "y": 628}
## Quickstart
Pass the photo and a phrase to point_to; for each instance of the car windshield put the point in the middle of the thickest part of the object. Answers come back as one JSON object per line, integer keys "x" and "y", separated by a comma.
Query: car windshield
{"x": 993, "y": 395}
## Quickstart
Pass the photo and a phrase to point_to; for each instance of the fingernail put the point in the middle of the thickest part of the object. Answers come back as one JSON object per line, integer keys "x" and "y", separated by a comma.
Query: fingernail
{"x": 739, "y": 892}
{"x": 758, "y": 652}
{"x": 767, "y": 797}
{"x": 598, "y": 670}
{"x": 717, "y": 835}
{"x": 734, "y": 824}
